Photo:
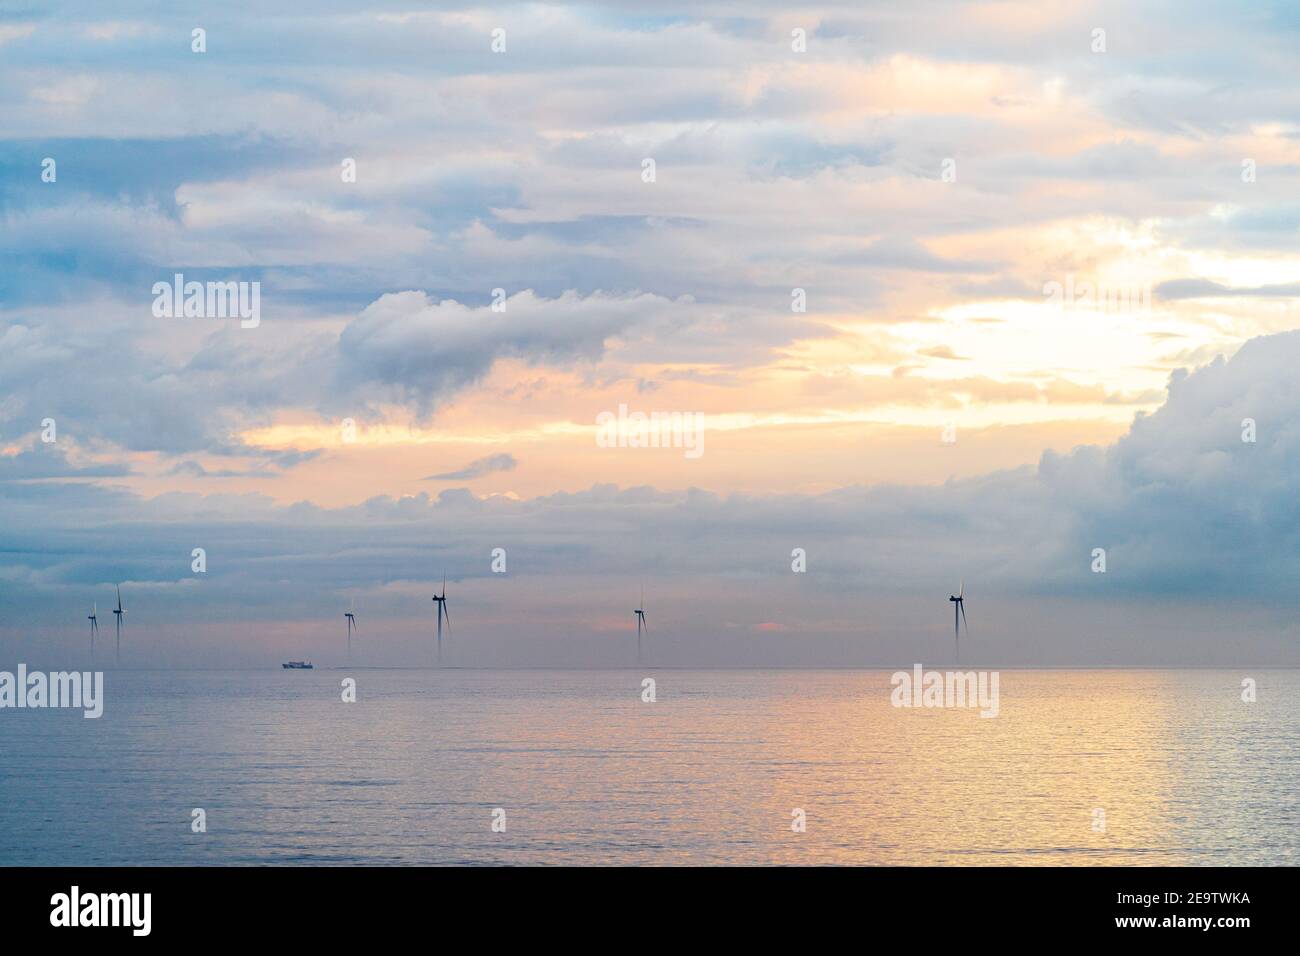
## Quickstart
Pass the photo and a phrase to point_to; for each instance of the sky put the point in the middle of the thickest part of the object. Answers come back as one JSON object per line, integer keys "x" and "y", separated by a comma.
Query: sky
{"x": 955, "y": 292}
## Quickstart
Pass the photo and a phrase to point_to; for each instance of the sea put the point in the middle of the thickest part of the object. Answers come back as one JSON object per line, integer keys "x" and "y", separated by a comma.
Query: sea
{"x": 653, "y": 766}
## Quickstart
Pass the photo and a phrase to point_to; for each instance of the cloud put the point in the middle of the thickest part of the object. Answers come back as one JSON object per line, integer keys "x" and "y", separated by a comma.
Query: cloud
{"x": 114, "y": 374}
{"x": 1192, "y": 518}
{"x": 268, "y": 463}
{"x": 943, "y": 352}
{"x": 15, "y": 31}
{"x": 478, "y": 468}
{"x": 775, "y": 171}
{"x": 909, "y": 255}
{"x": 196, "y": 470}
{"x": 1176, "y": 289}
{"x": 427, "y": 351}
{"x": 48, "y": 461}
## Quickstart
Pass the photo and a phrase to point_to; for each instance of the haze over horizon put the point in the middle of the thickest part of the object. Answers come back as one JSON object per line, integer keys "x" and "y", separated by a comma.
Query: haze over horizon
{"x": 935, "y": 413}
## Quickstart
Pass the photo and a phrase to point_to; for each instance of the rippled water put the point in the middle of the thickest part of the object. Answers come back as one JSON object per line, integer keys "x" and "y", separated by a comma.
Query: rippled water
{"x": 1185, "y": 771}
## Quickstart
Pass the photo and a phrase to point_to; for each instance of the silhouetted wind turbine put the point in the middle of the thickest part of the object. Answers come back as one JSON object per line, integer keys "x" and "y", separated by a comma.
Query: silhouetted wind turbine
{"x": 959, "y": 617}
{"x": 117, "y": 614}
{"x": 640, "y": 622}
{"x": 441, "y": 601}
{"x": 93, "y": 617}
{"x": 350, "y": 614}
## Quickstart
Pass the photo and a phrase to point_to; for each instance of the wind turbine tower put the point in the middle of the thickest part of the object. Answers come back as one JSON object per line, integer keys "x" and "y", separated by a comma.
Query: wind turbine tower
{"x": 117, "y": 614}
{"x": 93, "y": 617}
{"x": 959, "y": 617}
{"x": 640, "y": 623}
{"x": 351, "y": 616}
{"x": 441, "y": 601}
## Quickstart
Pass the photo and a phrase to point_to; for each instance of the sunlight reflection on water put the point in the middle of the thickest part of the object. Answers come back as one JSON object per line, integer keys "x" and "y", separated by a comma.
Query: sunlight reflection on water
{"x": 1184, "y": 770}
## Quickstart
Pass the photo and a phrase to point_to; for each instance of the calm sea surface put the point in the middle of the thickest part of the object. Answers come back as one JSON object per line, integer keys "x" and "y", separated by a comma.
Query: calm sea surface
{"x": 1184, "y": 771}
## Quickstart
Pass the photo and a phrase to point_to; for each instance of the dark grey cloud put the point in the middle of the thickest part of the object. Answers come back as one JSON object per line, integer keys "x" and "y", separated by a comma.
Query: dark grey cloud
{"x": 188, "y": 386}
{"x": 47, "y": 460}
{"x": 425, "y": 351}
{"x": 115, "y": 375}
{"x": 266, "y": 464}
{"x": 478, "y": 468}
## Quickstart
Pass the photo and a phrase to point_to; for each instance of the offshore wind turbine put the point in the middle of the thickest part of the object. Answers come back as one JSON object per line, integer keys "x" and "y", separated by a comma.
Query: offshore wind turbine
{"x": 93, "y": 617}
{"x": 117, "y": 614}
{"x": 350, "y": 614}
{"x": 440, "y": 613}
{"x": 959, "y": 608}
{"x": 640, "y": 622}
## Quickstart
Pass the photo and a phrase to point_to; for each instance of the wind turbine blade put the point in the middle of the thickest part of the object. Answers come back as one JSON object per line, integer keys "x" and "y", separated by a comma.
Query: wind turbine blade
{"x": 646, "y": 621}
{"x": 961, "y": 591}
{"x": 446, "y": 613}
{"x": 962, "y": 605}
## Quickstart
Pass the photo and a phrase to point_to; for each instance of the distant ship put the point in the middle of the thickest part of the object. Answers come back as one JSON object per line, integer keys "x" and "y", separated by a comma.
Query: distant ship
{"x": 297, "y": 666}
